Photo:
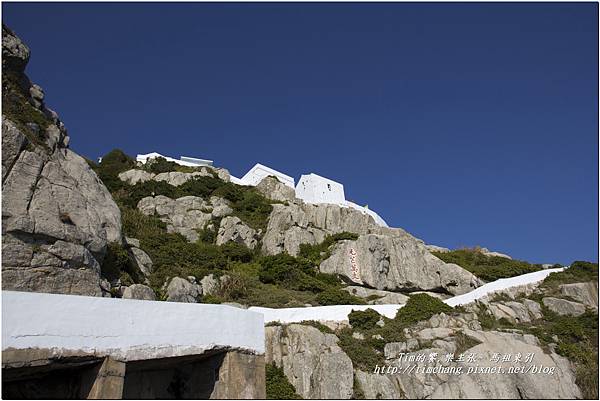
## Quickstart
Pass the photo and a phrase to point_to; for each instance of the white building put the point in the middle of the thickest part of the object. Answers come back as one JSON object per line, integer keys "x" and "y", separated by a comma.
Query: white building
{"x": 183, "y": 160}
{"x": 256, "y": 174}
{"x": 313, "y": 188}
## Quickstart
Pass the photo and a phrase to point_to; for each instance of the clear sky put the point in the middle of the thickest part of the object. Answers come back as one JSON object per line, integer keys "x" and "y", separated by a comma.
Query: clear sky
{"x": 465, "y": 124}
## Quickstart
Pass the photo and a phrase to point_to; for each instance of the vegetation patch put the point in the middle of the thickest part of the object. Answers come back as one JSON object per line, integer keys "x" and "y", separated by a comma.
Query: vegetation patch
{"x": 118, "y": 264}
{"x": 318, "y": 325}
{"x": 579, "y": 272}
{"x": 319, "y": 252}
{"x": 488, "y": 268}
{"x": 278, "y": 385}
{"x": 420, "y": 307}
{"x": 17, "y": 107}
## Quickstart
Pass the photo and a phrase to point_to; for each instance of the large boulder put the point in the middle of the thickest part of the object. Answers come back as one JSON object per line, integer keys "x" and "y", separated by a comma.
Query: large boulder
{"x": 298, "y": 223}
{"x": 233, "y": 229}
{"x": 139, "y": 291}
{"x": 560, "y": 384}
{"x": 586, "y": 293}
{"x": 563, "y": 306}
{"x": 274, "y": 189}
{"x": 311, "y": 360}
{"x": 376, "y": 386}
{"x": 57, "y": 216}
{"x": 135, "y": 176}
{"x": 181, "y": 290}
{"x": 396, "y": 261}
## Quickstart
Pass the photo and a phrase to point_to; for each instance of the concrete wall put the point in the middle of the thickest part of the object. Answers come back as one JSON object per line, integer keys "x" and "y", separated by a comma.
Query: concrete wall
{"x": 126, "y": 329}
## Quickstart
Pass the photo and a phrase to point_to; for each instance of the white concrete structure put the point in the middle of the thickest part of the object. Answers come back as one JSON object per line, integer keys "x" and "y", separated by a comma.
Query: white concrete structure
{"x": 126, "y": 329}
{"x": 256, "y": 174}
{"x": 501, "y": 284}
{"x": 183, "y": 161}
{"x": 339, "y": 313}
{"x": 313, "y": 188}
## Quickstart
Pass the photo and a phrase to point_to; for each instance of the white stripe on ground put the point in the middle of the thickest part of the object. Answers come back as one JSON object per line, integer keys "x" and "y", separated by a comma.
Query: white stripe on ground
{"x": 339, "y": 313}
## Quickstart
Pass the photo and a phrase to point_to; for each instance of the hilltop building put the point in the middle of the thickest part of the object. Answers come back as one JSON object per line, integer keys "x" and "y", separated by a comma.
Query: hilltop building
{"x": 311, "y": 188}
{"x": 258, "y": 172}
{"x": 183, "y": 160}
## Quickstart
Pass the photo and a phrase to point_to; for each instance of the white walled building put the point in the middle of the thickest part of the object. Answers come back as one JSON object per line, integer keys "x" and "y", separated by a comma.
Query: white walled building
{"x": 183, "y": 160}
{"x": 256, "y": 174}
{"x": 313, "y": 188}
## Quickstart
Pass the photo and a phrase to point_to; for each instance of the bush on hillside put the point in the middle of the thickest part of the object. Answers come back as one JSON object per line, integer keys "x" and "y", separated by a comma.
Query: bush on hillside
{"x": 420, "y": 307}
{"x": 488, "y": 268}
{"x": 579, "y": 271}
{"x": 278, "y": 385}
{"x": 363, "y": 320}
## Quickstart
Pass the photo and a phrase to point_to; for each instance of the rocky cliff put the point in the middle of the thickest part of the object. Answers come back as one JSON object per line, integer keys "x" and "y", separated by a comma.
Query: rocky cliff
{"x": 161, "y": 231}
{"x": 57, "y": 216}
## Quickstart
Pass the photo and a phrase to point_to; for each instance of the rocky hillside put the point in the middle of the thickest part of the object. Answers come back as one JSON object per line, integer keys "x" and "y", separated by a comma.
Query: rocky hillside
{"x": 57, "y": 216}
{"x": 162, "y": 231}
{"x": 548, "y": 335}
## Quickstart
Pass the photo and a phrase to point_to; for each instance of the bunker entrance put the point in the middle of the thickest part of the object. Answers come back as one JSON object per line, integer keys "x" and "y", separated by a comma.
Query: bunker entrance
{"x": 64, "y": 380}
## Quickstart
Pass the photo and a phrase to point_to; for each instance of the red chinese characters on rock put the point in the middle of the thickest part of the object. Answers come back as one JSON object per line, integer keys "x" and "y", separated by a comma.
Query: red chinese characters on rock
{"x": 354, "y": 266}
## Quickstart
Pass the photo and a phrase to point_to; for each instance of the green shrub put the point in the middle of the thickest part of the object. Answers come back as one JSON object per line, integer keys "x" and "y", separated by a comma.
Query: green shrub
{"x": 420, "y": 307}
{"x": 119, "y": 264}
{"x": 488, "y": 268}
{"x": 319, "y": 252}
{"x": 159, "y": 165}
{"x": 363, "y": 355}
{"x": 16, "y": 106}
{"x": 283, "y": 269}
{"x": 237, "y": 252}
{"x": 278, "y": 385}
{"x": 318, "y": 325}
{"x": 113, "y": 163}
{"x": 335, "y": 296}
{"x": 578, "y": 272}
{"x": 363, "y": 320}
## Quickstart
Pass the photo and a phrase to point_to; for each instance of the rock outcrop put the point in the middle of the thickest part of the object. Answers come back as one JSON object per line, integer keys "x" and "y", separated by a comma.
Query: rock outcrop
{"x": 586, "y": 293}
{"x": 185, "y": 215}
{"x": 175, "y": 178}
{"x": 57, "y": 215}
{"x": 396, "y": 262}
{"x": 139, "y": 291}
{"x": 563, "y": 306}
{"x": 182, "y": 290}
{"x": 233, "y": 229}
{"x": 313, "y": 362}
{"x": 274, "y": 189}
{"x": 299, "y": 223}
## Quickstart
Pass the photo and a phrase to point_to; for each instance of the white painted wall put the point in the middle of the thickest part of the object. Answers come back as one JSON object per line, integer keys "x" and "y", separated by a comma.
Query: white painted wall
{"x": 126, "y": 329}
{"x": 313, "y": 188}
{"x": 184, "y": 161}
{"x": 256, "y": 174}
{"x": 339, "y": 313}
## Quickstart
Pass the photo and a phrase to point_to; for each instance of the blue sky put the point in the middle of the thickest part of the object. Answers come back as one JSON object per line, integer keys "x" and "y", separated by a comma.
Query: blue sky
{"x": 465, "y": 124}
